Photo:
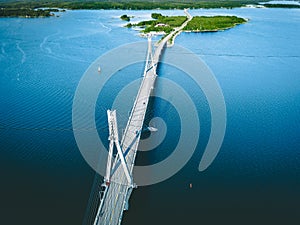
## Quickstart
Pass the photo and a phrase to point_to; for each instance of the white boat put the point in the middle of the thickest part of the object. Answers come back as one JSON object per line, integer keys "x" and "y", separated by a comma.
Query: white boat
{"x": 152, "y": 129}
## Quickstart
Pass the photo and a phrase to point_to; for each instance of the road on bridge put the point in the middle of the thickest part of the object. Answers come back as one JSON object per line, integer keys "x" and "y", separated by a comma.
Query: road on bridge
{"x": 118, "y": 190}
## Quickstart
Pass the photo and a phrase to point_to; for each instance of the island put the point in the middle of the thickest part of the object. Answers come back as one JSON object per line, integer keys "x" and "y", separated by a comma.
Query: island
{"x": 125, "y": 17}
{"x": 164, "y": 25}
{"x": 160, "y": 23}
{"x": 213, "y": 23}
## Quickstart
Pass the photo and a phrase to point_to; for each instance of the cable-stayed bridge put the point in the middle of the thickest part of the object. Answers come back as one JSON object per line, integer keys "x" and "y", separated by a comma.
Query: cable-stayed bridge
{"x": 118, "y": 181}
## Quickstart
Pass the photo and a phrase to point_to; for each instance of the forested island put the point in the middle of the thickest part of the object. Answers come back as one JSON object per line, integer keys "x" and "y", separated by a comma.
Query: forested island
{"x": 167, "y": 24}
{"x": 125, "y": 17}
{"x": 26, "y": 12}
{"x": 213, "y": 23}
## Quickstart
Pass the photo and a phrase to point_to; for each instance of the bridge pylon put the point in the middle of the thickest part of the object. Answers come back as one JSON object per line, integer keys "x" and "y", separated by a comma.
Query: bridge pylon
{"x": 149, "y": 59}
{"x": 114, "y": 141}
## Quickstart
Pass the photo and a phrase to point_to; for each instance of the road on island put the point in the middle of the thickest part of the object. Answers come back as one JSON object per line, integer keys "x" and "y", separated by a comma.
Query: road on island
{"x": 178, "y": 30}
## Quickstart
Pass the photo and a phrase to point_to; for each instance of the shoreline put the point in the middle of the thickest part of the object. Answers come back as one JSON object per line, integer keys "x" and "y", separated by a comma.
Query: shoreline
{"x": 21, "y": 9}
{"x": 9, "y": 10}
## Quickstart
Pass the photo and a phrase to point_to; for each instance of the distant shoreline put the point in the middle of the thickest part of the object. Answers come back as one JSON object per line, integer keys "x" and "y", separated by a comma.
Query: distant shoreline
{"x": 28, "y": 12}
{"x": 43, "y": 8}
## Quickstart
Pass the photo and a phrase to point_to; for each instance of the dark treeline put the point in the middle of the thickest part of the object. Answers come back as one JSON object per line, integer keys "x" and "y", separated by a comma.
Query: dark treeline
{"x": 281, "y": 6}
{"x": 29, "y": 8}
{"x": 26, "y": 12}
{"x": 134, "y": 5}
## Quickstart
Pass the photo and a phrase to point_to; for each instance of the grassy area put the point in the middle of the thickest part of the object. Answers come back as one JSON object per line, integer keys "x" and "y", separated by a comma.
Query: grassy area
{"x": 160, "y": 23}
{"x": 215, "y": 23}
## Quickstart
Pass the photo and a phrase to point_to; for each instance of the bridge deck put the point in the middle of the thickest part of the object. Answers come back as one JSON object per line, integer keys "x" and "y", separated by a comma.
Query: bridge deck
{"x": 116, "y": 194}
{"x": 118, "y": 191}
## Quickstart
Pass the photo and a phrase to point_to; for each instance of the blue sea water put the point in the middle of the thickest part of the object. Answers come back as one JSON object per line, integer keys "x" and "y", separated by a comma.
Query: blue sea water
{"x": 255, "y": 177}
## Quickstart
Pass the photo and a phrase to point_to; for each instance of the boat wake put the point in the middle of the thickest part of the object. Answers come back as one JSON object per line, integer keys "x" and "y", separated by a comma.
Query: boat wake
{"x": 22, "y": 51}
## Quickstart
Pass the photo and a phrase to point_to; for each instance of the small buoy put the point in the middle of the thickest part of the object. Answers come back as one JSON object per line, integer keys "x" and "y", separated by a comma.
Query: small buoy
{"x": 191, "y": 185}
